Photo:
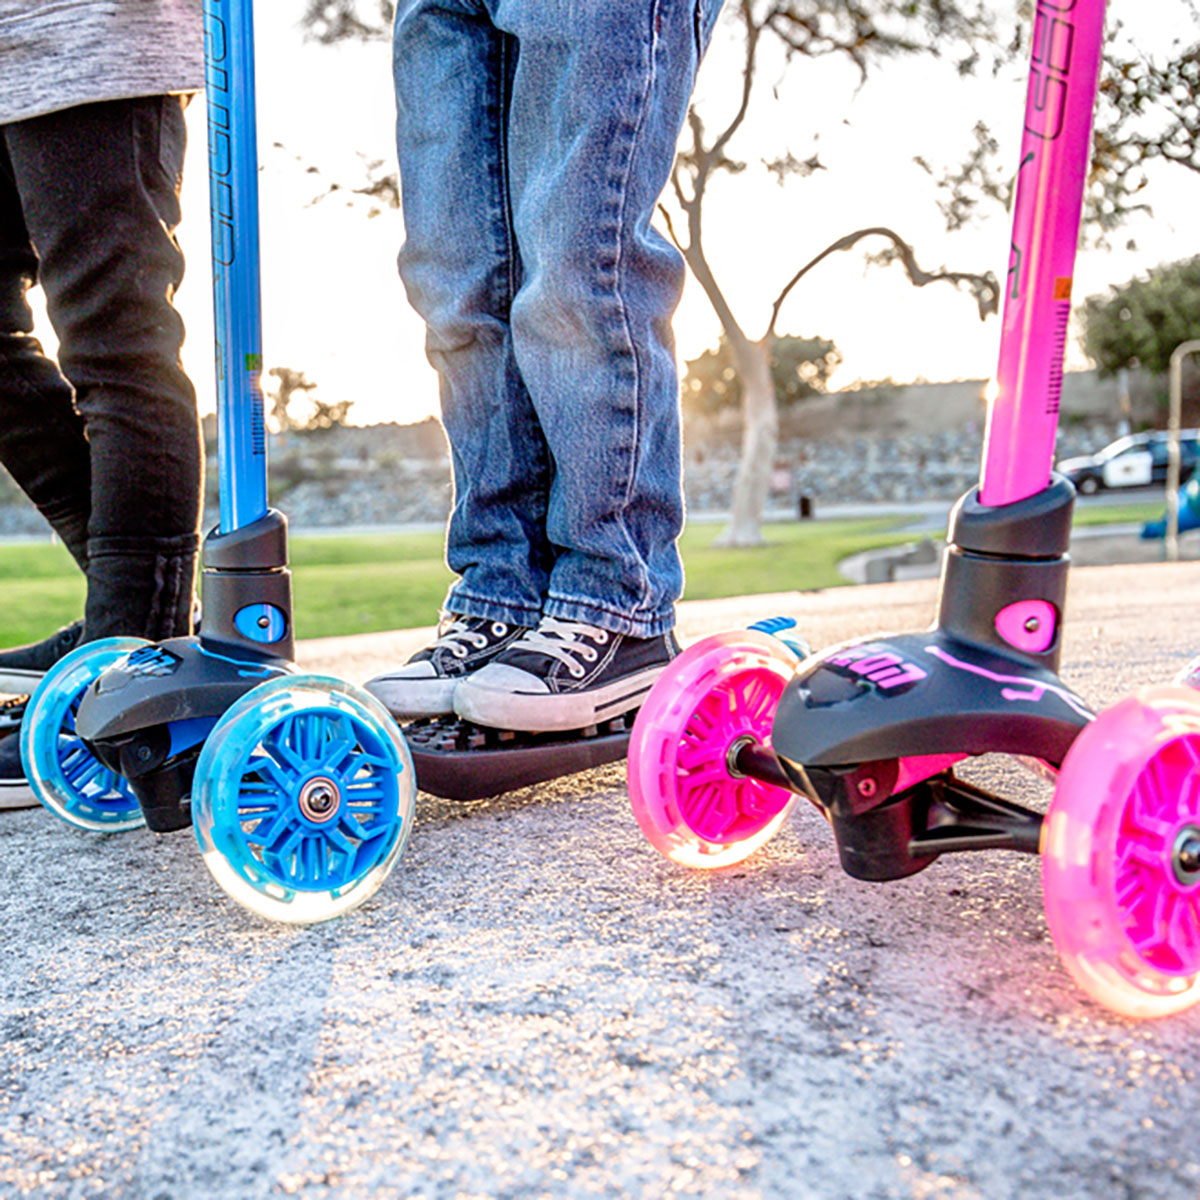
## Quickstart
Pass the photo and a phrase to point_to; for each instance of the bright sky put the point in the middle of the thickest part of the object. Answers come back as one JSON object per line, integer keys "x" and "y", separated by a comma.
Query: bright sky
{"x": 334, "y": 308}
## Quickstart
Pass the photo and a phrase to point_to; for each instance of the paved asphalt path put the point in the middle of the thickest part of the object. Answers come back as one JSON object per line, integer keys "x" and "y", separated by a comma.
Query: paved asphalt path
{"x": 537, "y": 1005}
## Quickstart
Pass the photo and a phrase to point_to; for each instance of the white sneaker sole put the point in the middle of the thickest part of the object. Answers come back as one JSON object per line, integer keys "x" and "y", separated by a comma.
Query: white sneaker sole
{"x": 16, "y": 793}
{"x": 19, "y": 683}
{"x": 549, "y": 712}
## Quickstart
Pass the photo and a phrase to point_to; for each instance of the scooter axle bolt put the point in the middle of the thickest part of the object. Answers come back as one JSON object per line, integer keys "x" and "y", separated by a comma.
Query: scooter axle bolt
{"x": 867, "y": 787}
{"x": 319, "y": 799}
{"x": 1186, "y": 858}
{"x": 731, "y": 756}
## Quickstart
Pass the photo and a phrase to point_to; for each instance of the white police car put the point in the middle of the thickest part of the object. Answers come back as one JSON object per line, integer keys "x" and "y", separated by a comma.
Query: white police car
{"x": 1138, "y": 460}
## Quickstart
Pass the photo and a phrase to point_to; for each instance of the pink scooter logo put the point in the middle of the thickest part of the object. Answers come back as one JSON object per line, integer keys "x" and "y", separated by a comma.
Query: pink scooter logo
{"x": 875, "y": 664}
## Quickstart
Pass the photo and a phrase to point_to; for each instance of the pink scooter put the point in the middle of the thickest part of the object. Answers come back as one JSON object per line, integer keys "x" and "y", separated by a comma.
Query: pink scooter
{"x": 741, "y": 726}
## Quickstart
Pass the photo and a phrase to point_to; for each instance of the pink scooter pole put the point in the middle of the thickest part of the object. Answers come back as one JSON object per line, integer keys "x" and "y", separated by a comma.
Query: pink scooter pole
{"x": 1018, "y": 455}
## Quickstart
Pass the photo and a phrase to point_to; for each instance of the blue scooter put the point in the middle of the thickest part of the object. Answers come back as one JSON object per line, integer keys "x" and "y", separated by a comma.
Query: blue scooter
{"x": 300, "y": 788}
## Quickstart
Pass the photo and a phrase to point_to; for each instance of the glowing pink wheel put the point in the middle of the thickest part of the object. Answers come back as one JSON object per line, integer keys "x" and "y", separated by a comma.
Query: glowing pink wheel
{"x": 1121, "y": 855}
{"x": 716, "y": 697}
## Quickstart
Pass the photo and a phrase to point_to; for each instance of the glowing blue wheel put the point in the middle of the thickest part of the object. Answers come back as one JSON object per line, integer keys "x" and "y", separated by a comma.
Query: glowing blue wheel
{"x": 64, "y": 774}
{"x": 303, "y": 798}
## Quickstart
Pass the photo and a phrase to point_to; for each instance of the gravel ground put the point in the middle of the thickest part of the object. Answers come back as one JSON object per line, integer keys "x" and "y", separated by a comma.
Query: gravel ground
{"x": 537, "y": 1005}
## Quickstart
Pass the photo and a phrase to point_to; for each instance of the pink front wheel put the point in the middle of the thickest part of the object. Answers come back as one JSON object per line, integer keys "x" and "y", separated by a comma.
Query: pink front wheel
{"x": 687, "y": 794}
{"x": 1121, "y": 855}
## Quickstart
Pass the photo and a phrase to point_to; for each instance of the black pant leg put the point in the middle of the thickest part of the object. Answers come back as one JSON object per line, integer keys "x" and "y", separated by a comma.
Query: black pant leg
{"x": 42, "y": 442}
{"x": 99, "y": 186}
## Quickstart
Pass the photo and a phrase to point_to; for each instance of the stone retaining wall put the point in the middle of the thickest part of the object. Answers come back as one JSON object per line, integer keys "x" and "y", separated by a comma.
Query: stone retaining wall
{"x": 380, "y": 477}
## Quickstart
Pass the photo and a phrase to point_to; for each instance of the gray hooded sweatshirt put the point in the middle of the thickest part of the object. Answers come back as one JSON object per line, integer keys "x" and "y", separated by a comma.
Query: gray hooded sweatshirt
{"x": 55, "y": 54}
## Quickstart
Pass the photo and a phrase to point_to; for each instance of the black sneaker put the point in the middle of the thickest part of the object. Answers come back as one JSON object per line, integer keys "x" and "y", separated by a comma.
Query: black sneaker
{"x": 424, "y": 686}
{"x": 564, "y": 675}
{"x": 15, "y": 791}
{"x": 23, "y": 666}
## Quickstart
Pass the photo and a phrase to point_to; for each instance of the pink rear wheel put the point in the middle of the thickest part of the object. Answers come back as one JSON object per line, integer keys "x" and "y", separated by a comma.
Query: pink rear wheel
{"x": 1121, "y": 855}
{"x": 692, "y": 803}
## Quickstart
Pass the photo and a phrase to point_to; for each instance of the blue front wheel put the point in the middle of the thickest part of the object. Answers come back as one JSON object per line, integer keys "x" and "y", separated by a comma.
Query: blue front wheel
{"x": 64, "y": 774}
{"x": 303, "y": 798}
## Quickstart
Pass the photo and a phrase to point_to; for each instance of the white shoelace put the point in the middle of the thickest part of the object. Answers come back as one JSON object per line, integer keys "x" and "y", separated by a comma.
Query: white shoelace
{"x": 458, "y": 632}
{"x": 559, "y": 639}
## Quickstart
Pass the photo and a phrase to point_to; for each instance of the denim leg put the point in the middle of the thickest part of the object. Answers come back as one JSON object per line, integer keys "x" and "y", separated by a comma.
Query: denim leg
{"x": 460, "y": 268}
{"x": 42, "y": 443}
{"x": 599, "y": 96}
{"x": 99, "y": 188}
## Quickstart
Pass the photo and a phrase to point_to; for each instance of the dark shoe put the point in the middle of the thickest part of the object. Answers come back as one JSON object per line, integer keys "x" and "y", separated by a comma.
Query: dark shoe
{"x": 15, "y": 791}
{"x": 424, "y": 686}
{"x": 564, "y": 675}
{"x": 22, "y": 667}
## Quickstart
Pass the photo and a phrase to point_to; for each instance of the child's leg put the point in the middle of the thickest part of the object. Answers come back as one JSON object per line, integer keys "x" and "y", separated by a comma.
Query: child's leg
{"x": 453, "y": 72}
{"x": 599, "y": 95}
{"x": 460, "y": 267}
{"x": 99, "y": 188}
{"x": 42, "y": 443}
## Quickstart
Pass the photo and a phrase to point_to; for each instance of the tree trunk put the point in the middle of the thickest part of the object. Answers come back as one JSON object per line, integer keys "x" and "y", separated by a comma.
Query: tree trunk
{"x": 760, "y": 437}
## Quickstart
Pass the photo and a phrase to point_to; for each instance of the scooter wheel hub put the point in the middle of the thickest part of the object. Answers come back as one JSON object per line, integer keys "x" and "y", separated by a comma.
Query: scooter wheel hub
{"x": 319, "y": 800}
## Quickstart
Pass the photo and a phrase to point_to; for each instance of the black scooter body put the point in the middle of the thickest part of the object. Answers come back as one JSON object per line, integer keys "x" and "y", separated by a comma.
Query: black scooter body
{"x": 147, "y": 717}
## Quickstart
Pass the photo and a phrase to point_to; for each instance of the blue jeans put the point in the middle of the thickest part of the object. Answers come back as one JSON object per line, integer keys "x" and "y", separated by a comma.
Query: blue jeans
{"x": 534, "y": 139}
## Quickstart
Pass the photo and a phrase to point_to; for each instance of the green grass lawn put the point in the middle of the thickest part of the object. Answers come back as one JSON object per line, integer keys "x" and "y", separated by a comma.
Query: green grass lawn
{"x": 1120, "y": 514}
{"x": 368, "y": 582}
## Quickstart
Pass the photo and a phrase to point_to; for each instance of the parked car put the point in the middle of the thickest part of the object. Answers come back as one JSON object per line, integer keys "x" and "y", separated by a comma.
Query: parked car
{"x": 1137, "y": 460}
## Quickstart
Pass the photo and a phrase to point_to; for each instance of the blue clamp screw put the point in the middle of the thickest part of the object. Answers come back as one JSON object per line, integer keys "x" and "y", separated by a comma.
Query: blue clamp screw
{"x": 776, "y": 626}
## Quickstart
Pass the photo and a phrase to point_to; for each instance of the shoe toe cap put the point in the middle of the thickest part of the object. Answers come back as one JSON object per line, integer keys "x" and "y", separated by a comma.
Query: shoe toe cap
{"x": 410, "y": 694}
{"x": 503, "y": 678}
{"x": 410, "y": 672}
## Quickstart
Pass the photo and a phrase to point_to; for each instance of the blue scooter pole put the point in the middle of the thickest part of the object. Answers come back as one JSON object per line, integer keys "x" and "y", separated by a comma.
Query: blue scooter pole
{"x": 246, "y": 589}
{"x": 237, "y": 303}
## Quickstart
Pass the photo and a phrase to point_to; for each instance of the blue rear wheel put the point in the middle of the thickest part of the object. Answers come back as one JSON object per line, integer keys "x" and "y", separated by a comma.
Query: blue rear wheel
{"x": 64, "y": 774}
{"x": 303, "y": 798}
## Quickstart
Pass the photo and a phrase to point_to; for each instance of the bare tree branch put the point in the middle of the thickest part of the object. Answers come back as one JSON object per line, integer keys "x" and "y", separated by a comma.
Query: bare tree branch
{"x": 863, "y": 31}
{"x": 984, "y": 287}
